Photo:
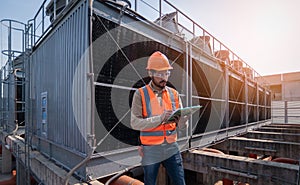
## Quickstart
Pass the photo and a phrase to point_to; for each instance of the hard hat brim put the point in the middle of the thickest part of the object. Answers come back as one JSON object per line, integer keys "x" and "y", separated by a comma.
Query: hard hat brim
{"x": 160, "y": 69}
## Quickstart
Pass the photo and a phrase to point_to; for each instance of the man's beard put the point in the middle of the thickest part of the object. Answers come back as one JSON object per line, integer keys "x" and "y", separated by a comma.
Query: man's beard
{"x": 159, "y": 84}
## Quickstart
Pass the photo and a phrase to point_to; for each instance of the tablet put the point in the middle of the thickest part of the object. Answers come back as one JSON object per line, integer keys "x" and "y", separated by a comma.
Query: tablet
{"x": 186, "y": 111}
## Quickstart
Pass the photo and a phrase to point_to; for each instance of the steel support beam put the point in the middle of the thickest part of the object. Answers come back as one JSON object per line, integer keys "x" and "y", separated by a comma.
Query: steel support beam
{"x": 275, "y": 136}
{"x": 226, "y": 96}
{"x": 280, "y": 130}
{"x": 214, "y": 167}
{"x": 244, "y": 146}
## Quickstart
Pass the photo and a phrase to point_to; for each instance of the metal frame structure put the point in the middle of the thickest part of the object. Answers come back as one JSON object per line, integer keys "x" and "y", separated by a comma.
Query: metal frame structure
{"x": 13, "y": 86}
{"x": 88, "y": 50}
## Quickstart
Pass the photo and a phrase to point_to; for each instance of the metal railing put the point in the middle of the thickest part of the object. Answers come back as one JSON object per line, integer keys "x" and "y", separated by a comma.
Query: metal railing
{"x": 12, "y": 76}
{"x": 285, "y": 112}
{"x": 31, "y": 32}
{"x": 12, "y": 39}
{"x": 42, "y": 21}
{"x": 189, "y": 29}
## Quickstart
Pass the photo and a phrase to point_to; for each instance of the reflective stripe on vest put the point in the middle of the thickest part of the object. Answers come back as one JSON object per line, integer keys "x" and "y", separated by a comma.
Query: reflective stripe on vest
{"x": 151, "y": 107}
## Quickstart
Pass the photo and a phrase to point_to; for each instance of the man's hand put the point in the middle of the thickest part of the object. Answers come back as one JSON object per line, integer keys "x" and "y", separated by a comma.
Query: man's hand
{"x": 180, "y": 119}
{"x": 182, "y": 122}
{"x": 177, "y": 119}
{"x": 184, "y": 118}
{"x": 165, "y": 115}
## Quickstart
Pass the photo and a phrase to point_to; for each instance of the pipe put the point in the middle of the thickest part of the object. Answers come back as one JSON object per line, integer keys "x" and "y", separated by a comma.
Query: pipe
{"x": 227, "y": 181}
{"x": 252, "y": 155}
{"x": 212, "y": 150}
{"x": 233, "y": 172}
{"x": 91, "y": 78}
{"x": 122, "y": 13}
{"x": 286, "y": 160}
{"x": 78, "y": 166}
{"x": 91, "y": 74}
{"x": 126, "y": 180}
{"x": 112, "y": 180}
{"x": 269, "y": 158}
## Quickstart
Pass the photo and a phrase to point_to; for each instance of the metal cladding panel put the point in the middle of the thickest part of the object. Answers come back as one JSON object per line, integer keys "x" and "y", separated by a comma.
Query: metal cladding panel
{"x": 58, "y": 76}
{"x": 209, "y": 91}
{"x": 252, "y": 95}
{"x": 236, "y": 90}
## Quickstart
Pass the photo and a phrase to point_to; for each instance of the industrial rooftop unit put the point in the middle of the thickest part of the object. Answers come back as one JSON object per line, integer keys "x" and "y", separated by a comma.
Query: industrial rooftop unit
{"x": 82, "y": 70}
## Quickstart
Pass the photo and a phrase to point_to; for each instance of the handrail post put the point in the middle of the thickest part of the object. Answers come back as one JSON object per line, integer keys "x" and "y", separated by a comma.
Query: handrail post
{"x": 54, "y": 10}
{"x": 160, "y": 12}
{"x": 226, "y": 96}
{"x": 194, "y": 31}
{"x": 34, "y": 29}
{"x": 43, "y": 19}
{"x": 9, "y": 43}
{"x": 246, "y": 102}
{"x": 257, "y": 101}
{"x": 285, "y": 112}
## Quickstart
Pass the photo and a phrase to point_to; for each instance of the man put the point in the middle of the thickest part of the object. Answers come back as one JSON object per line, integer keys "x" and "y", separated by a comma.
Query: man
{"x": 152, "y": 105}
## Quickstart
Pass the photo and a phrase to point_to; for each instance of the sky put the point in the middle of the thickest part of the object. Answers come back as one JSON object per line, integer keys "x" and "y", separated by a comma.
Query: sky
{"x": 264, "y": 33}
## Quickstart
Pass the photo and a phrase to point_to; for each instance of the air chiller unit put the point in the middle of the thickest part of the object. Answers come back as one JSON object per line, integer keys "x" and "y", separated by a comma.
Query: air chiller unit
{"x": 69, "y": 115}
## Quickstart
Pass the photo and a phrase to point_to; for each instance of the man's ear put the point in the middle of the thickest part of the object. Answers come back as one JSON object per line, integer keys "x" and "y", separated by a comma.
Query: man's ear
{"x": 150, "y": 73}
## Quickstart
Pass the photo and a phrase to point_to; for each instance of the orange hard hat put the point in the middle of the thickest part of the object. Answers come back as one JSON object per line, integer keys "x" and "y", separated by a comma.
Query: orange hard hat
{"x": 158, "y": 62}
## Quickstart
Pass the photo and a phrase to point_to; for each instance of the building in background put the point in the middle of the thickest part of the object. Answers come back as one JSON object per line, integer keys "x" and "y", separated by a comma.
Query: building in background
{"x": 285, "y": 86}
{"x": 285, "y": 93}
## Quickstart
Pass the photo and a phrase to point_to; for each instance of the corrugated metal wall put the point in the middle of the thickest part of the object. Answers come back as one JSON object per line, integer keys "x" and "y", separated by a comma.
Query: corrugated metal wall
{"x": 58, "y": 72}
{"x": 286, "y": 112}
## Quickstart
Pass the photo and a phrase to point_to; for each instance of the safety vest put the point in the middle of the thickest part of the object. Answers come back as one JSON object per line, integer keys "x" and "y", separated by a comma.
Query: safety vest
{"x": 151, "y": 107}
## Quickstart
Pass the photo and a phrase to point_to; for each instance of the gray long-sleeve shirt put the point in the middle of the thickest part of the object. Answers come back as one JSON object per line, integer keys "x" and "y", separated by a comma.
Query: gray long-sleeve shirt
{"x": 140, "y": 123}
